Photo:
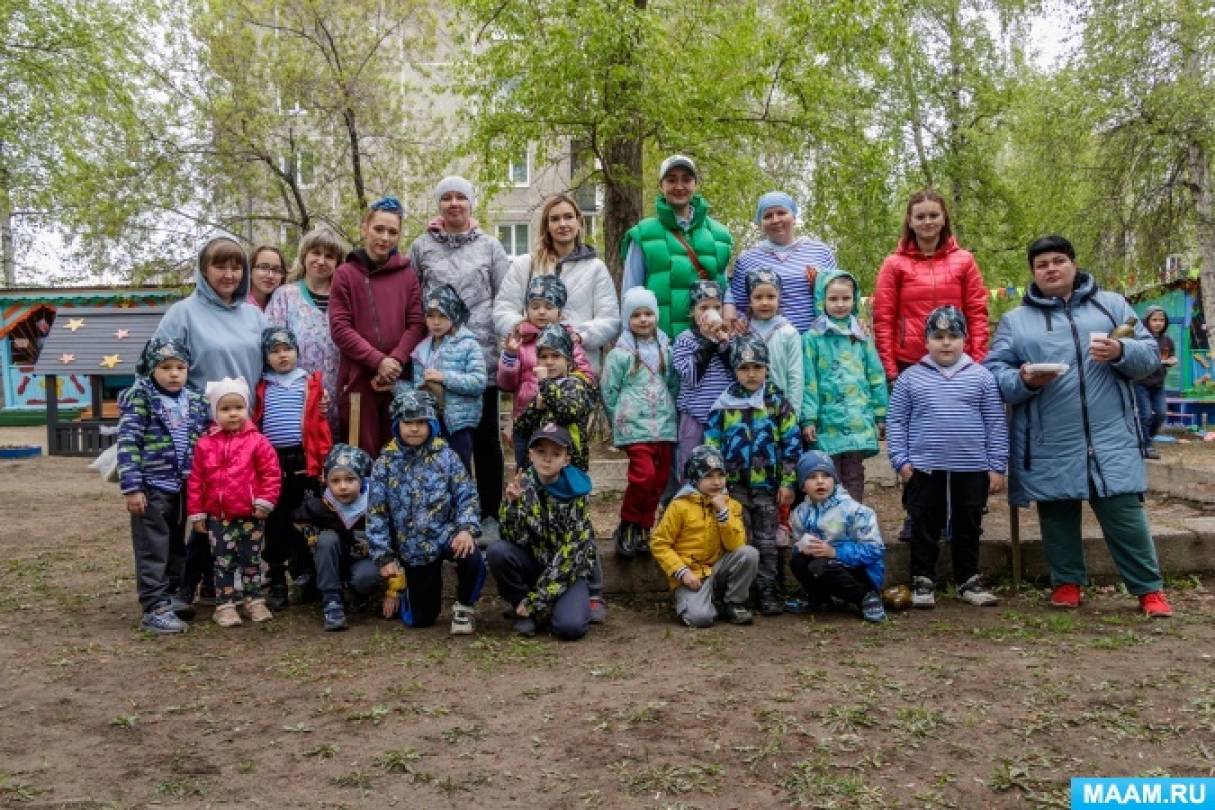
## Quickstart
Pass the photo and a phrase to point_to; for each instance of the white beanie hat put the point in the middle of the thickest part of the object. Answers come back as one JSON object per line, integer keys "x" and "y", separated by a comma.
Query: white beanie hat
{"x": 634, "y": 299}
{"x": 454, "y": 182}
{"x": 218, "y": 389}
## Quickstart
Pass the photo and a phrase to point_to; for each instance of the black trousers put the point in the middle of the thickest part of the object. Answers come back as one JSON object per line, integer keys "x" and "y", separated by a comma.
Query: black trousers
{"x": 487, "y": 455}
{"x": 200, "y": 566}
{"x": 516, "y": 572}
{"x": 931, "y": 500}
{"x": 822, "y": 578}
{"x": 285, "y": 545}
{"x": 424, "y": 585}
{"x": 158, "y": 538}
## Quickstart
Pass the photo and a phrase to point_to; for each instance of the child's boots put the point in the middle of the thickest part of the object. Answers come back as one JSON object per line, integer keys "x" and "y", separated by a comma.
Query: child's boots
{"x": 226, "y": 616}
{"x": 257, "y": 611}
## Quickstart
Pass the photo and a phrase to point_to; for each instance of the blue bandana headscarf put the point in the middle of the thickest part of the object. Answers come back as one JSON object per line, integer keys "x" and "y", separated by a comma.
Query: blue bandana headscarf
{"x": 446, "y": 300}
{"x": 159, "y": 349}
{"x": 390, "y": 204}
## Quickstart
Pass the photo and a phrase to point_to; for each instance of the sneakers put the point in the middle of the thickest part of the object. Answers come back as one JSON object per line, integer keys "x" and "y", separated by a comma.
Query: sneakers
{"x": 736, "y": 614}
{"x": 1067, "y": 595}
{"x": 972, "y": 592}
{"x": 277, "y": 595}
{"x": 1155, "y": 606}
{"x": 1150, "y": 452}
{"x": 769, "y": 604}
{"x": 257, "y": 611}
{"x": 462, "y": 620}
{"x": 872, "y": 609}
{"x": 335, "y": 616}
{"x": 621, "y": 537}
{"x": 182, "y": 609}
{"x": 226, "y": 616}
{"x": 162, "y": 621}
{"x": 922, "y": 595}
{"x": 598, "y": 610}
{"x": 525, "y": 626}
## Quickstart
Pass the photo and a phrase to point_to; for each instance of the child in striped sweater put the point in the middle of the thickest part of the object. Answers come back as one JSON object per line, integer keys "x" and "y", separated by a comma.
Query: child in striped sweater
{"x": 701, "y": 357}
{"x": 948, "y": 441}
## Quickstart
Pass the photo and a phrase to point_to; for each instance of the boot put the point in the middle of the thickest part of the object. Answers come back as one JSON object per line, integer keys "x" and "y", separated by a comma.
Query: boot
{"x": 277, "y": 595}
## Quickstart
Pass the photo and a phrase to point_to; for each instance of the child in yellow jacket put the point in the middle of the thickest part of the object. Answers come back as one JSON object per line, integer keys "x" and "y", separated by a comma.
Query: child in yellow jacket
{"x": 701, "y": 545}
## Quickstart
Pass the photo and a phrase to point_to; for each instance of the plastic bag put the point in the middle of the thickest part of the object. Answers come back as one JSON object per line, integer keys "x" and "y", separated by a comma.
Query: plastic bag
{"x": 106, "y": 464}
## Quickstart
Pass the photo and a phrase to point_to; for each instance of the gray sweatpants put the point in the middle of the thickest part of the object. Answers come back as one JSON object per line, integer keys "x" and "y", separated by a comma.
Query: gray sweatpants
{"x": 732, "y": 577}
{"x": 760, "y": 517}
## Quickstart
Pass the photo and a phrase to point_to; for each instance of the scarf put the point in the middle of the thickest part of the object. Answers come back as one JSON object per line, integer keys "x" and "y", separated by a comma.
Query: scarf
{"x": 948, "y": 372}
{"x": 765, "y": 329}
{"x": 781, "y": 252}
{"x": 287, "y": 380}
{"x": 350, "y": 513}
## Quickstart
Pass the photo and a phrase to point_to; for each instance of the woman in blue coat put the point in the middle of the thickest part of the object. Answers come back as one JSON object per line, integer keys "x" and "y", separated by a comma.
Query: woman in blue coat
{"x": 1074, "y": 433}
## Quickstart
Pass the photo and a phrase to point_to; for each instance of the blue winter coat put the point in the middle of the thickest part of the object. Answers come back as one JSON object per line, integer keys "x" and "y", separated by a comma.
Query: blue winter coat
{"x": 462, "y": 362}
{"x": 146, "y": 454}
{"x": 419, "y": 498}
{"x": 850, "y": 527}
{"x": 1080, "y": 428}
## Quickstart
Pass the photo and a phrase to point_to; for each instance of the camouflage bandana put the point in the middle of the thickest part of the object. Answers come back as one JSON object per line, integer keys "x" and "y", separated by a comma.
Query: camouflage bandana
{"x": 748, "y": 348}
{"x": 446, "y": 300}
{"x": 704, "y": 460}
{"x": 548, "y": 288}
{"x": 556, "y": 338}
{"x": 274, "y": 335}
{"x": 410, "y": 404}
{"x": 159, "y": 349}
{"x": 945, "y": 319}
{"x": 345, "y": 457}
{"x": 763, "y": 275}
{"x": 703, "y": 290}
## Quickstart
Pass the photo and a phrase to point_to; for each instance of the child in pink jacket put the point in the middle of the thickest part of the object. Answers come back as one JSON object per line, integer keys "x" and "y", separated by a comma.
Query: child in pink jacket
{"x": 518, "y": 368}
{"x": 233, "y": 487}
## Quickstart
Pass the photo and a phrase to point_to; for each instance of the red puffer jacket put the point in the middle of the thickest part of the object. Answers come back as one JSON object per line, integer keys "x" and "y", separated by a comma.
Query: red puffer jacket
{"x": 233, "y": 474}
{"x": 318, "y": 439}
{"x": 910, "y": 286}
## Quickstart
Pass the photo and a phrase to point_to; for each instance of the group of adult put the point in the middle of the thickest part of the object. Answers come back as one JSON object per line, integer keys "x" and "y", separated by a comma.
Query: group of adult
{"x": 358, "y": 317}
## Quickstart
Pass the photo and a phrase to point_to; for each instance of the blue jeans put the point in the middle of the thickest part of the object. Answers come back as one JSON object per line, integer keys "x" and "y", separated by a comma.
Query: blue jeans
{"x": 1150, "y": 404}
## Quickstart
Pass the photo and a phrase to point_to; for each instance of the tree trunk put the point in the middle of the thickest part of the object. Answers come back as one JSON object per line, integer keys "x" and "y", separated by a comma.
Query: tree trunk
{"x": 957, "y": 138}
{"x": 622, "y": 203}
{"x": 356, "y": 159}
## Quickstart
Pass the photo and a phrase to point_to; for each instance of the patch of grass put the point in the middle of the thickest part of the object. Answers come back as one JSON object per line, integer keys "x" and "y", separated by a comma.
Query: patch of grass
{"x": 457, "y": 734}
{"x": 676, "y": 779}
{"x": 322, "y": 751}
{"x": 13, "y": 791}
{"x": 1009, "y": 775}
{"x": 246, "y": 766}
{"x": 610, "y": 672}
{"x": 1118, "y": 641}
{"x": 919, "y": 722}
{"x": 23, "y": 582}
{"x": 849, "y": 719}
{"x": 124, "y": 720}
{"x": 375, "y": 715}
{"x": 180, "y": 789}
{"x": 354, "y": 779}
{"x": 488, "y": 653}
{"x": 649, "y": 713}
{"x": 400, "y": 761}
{"x": 814, "y": 783}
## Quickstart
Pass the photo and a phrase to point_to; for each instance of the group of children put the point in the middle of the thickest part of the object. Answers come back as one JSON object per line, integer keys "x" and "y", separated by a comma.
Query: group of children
{"x": 263, "y": 480}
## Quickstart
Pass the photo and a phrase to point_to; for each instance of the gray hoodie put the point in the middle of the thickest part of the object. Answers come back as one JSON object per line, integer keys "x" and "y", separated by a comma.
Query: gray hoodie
{"x": 225, "y": 340}
{"x": 474, "y": 263}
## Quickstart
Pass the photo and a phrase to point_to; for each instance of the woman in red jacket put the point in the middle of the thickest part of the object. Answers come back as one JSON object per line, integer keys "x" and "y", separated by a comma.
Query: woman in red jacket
{"x": 375, "y": 318}
{"x": 926, "y": 271}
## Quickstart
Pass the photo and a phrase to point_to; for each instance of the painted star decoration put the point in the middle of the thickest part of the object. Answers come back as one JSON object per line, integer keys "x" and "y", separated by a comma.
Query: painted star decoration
{"x": 122, "y": 334}
{"x": 74, "y": 324}
{"x": 110, "y": 360}
{"x": 67, "y": 358}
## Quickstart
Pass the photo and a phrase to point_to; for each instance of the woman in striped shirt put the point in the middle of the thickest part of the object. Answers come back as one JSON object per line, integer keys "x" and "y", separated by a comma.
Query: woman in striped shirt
{"x": 796, "y": 259}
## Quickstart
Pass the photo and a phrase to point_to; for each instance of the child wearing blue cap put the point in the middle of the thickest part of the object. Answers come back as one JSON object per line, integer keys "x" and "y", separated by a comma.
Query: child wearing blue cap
{"x": 838, "y": 551}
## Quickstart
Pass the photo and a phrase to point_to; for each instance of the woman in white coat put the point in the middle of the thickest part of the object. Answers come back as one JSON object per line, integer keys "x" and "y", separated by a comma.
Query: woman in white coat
{"x": 592, "y": 308}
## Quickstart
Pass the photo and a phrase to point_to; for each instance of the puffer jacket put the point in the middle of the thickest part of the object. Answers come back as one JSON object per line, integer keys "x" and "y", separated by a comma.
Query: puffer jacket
{"x": 1080, "y": 428}
{"x": 757, "y": 435}
{"x": 517, "y": 372}
{"x": 419, "y": 498}
{"x": 845, "y": 394}
{"x": 910, "y": 286}
{"x": 850, "y": 528}
{"x": 592, "y": 307}
{"x": 146, "y": 455}
{"x": 640, "y": 400}
{"x": 462, "y": 362}
{"x": 690, "y": 536}
{"x": 474, "y": 263}
{"x": 553, "y": 523}
{"x": 233, "y": 474}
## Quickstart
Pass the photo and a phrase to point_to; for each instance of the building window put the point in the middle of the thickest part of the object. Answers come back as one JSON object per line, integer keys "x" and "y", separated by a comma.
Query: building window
{"x": 521, "y": 170}
{"x": 514, "y": 237}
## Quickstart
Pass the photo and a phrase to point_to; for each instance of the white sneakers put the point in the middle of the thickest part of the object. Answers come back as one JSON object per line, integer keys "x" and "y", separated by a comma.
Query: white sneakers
{"x": 462, "y": 620}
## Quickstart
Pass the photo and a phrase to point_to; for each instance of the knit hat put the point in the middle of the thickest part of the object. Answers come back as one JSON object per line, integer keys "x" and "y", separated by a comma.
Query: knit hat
{"x": 556, "y": 338}
{"x": 945, "y": 319}
{"x": 702, "y": 289}
{"x": 159, "y": 349}
{"x": 218, "y": 389}
{"x": 704, "y": 460}
{"x": 411, "y": 404}
{"x": 635, "y": 299}
{"x": 446, "y": 300}
{"x": 547, "y": 288}
{"x": 274, "y": 335}
{"x": 774, "y": 199}
{"x": 813, "y": 461}
{"x": 748, "y": 348}
{"x": 345, "y": 457}
{"x": 763, "y": 275}
{"x": 1051, "y": 244}
{"x": 552, "y": 432}
{"x": 456, "y": 183}
{"x": 677, "y": 161}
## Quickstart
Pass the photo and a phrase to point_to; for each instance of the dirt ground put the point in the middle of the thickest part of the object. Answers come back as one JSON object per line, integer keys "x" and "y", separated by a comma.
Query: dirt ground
{"x": 955, "y": 708}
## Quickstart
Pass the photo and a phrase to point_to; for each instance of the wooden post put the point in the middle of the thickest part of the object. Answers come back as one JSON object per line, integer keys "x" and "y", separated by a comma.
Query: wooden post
{"x": 96, "y": 384}
{"x": 355, "y": 413}
{"x": 52, "y": 413}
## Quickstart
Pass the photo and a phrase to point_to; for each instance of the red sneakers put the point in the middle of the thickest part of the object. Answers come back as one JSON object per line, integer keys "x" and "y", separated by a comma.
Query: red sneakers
{"x": 1155, "y": 606}
{"x": 1067, "y": 595}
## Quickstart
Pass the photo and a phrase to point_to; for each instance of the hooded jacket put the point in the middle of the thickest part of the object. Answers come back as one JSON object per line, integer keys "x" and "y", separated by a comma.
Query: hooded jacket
{"x": 146, "y": 455}
{"x": 640, "y": 400}
{"x": 851, "y": 528}
{"x": 592, "y": 308}
{"x": 517, "y": 372}
{"x": 374, "y": 312}
{"x": 225, "y": 339}
{"x": 460, "y": 359}
{"x": 690, "y": 536}
{"x": 911, "y": 285}
{"x": 845, "y": 393}
{"x": 233, "y": 474}
{"x": 568, "y": 401}
{"x": 314, "y": 428}
{"x": 1167, "y": 349}
{"x": 1080, "y": 429}
{"x": 474, "y": 263}
{"x": 757, "y": 436}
